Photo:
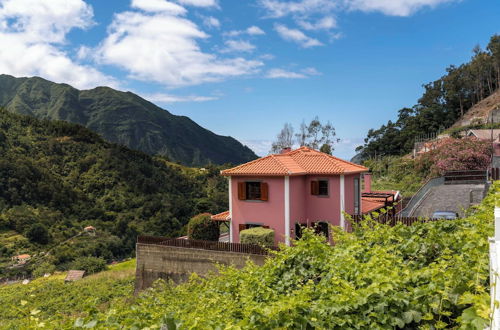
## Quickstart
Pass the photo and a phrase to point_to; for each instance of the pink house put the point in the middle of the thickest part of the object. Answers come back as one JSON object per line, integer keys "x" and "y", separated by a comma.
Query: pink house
{"x": 292, "y": 189}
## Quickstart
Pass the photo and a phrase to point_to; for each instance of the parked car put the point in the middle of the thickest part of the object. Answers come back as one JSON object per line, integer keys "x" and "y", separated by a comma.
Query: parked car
{"x": 448, "y": 215}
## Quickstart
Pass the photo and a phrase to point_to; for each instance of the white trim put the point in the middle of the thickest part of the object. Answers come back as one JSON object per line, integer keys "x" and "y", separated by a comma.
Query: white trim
{"x": 230, "y": 210}
{"x": 342, "y": 202}
{"x": 287, "y": 210}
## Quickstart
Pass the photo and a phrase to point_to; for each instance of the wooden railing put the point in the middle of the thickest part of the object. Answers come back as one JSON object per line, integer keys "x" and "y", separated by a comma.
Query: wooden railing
{"x": 469, "y": 175}
{"x": 205, "y": 245}
{"x": 392, "y": 220}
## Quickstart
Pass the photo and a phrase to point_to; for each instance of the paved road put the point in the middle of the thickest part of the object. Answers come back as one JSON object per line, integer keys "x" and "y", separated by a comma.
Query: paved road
{"x": 453, "y": 197}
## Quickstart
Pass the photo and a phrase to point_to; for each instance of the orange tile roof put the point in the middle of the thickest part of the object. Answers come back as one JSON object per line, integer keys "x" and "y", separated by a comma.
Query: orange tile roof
{"x": 369, "y": 205}
{"x": 23, "y": 256}
{"x": 301, "y": 161}
{"x": 223, "y": 216}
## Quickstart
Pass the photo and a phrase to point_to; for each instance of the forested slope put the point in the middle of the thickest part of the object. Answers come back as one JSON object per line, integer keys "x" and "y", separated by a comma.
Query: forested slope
{"x": 443, "y": 102}
{"x": 62, "y": 177}
{"x": 124, "y": 118}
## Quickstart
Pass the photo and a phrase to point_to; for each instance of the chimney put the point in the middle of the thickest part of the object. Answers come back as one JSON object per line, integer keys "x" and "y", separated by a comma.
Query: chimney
{"x": 368, "y": 182}
{"x": 286, "y": 150}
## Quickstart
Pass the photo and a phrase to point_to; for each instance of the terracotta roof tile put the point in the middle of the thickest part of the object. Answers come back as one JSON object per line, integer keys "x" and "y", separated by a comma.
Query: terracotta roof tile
{"x": 301, "y": 161}
{"x": 223, "y": 216}
{"x": 369, "y": 205}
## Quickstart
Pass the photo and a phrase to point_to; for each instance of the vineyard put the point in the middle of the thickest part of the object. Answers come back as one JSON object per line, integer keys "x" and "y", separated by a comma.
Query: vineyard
{"x": 431, "y": 276}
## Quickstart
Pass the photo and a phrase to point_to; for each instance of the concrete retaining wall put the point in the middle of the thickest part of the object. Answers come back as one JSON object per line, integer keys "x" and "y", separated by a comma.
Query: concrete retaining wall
{"x": 177, "y": 264}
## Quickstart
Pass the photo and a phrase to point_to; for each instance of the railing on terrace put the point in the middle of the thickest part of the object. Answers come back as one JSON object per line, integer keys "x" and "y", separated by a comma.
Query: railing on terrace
{"x": 205, "y": 245}
{"x": 465, "y": 176}
{"x": 391, "y": 220}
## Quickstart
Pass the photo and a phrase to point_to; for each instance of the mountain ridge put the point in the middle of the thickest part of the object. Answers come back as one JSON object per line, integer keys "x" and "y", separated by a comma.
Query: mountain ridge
{"x": 124, "y": 118}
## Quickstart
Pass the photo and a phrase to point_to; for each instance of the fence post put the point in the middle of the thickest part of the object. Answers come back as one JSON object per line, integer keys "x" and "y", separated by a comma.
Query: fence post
{"x": 494, "y": 272}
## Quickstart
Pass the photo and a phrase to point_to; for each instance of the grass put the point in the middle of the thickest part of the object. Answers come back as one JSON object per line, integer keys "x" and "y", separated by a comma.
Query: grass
{"x": 52, "y": 301}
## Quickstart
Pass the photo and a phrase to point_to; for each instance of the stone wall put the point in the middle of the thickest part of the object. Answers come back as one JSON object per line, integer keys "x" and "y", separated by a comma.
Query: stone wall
{"x": 177, "y": 264}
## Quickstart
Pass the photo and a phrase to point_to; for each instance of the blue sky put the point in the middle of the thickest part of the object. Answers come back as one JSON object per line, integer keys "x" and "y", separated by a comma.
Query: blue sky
{"x": 244, "y": 68}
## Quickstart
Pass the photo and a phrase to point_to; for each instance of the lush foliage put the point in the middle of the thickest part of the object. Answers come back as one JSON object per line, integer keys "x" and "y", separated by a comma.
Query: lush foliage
{"x": 53, "y": 304}
{"x": 257, "y": 235}
{"x": 203, "y": 228}
{"x": 451, "y": 154}
{"x": 395, "y": 173}
{"x": 90, "y": 265}
{"x": 124, "y": 118}
{"x": 407, "y": 175}
{"x": 56, "y": 178}
{"x": 430, "y": 276}
{"x": 443, "y": 102}
{"x": 427, "y": 276}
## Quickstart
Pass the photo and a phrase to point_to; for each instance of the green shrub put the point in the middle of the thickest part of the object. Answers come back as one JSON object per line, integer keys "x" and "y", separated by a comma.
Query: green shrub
{"x": 44, "y": 268}
{"x": 203, "y": 228}
{"x": 90, "y": 265}
{"x": 257, "y": 235}
{"x": 38, "y": 233}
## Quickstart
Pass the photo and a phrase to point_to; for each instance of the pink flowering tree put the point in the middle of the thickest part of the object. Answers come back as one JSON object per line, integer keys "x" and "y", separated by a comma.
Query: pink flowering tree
{"x": 451, "y": 154}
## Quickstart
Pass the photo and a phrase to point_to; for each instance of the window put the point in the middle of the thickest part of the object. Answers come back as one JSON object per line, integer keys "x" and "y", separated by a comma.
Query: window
{"x": 323, "y": 187}
{"x": 356, "y": 196}
{"x": 253, "y": 191}
{"x": 319, "y": 187}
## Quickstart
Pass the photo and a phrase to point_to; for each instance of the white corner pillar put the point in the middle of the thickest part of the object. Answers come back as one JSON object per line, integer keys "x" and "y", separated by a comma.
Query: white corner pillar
{"x": 287, "y": 210}
{"x": 230, "y": 210}
{"x": 342, "y": 201}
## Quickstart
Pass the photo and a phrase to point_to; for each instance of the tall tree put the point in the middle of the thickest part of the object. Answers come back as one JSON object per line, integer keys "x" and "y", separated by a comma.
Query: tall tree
{"x": 284, "y": 139}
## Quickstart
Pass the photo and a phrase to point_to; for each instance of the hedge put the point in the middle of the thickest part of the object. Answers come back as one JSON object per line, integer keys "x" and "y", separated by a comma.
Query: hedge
{"x": 257, "y": 235}
{"x": 203, "y": 228}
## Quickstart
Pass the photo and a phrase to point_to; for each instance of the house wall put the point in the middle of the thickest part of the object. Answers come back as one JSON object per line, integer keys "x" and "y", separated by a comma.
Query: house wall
{"x": 269, "y": 213}
{"x": 349, "y": 192}
{"x": 304, "y": 207}
{"x": 298, "y": 204}
{"x": 323, "y": 208}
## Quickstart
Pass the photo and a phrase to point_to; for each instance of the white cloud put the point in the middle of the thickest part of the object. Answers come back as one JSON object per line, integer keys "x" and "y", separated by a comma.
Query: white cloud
{"x": 211, "y": 22}
{"x": 163, "y": 47}
{"x": 238, "y": 46}
{"x": 34, "y": 32}
{"x": 158, "y": 5}
{"x": 307, "y": 8}
{"x": 394, "y": 8}
{"x": 296, "y": 36}
{"x": 199, "y": 3}
{"x": 252, "y": 31}
{"x": 326, "y": 23}
{"x": 280, "y": 8}
{"x": 278, "y": 73}
{"x": 255, "y": 31}
{"x": 169, "y": 98}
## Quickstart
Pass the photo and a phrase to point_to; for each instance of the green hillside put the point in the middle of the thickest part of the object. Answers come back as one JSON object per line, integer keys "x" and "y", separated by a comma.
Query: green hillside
{"x": 124, "y": 118}
{"x": 426, "y": 276}
{"x": 443, "y": 103}
{"x": 56, "y": 178}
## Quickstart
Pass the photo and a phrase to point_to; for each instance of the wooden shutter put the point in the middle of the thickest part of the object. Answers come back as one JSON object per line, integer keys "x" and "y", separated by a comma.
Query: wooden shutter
{"x": 264, "y": 191}
{"x": 242, "y": 226}
{"x": 242, "y": 191}
{"x": 314, "y": 187}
